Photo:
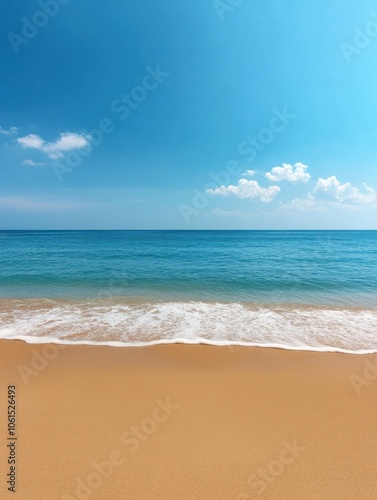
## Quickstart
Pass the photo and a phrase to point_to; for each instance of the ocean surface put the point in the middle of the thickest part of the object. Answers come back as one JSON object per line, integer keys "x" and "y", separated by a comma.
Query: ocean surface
{"x": 312, "y": 290}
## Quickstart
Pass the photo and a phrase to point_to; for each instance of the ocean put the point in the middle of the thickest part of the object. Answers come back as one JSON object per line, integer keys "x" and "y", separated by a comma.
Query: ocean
{"x": 309, "y": 290}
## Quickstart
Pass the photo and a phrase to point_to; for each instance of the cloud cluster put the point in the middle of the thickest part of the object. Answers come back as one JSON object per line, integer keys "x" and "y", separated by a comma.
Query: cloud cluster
{"x": 67, "y": 141}
{"x": 325, "y": 193}
{"x": 247, "y": 189}
{"x": 296, "y": 173}
{"x": 332, "y": 190}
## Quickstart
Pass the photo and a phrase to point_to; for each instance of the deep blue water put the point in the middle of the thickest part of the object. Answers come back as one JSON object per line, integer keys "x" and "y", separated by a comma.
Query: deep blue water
{"x": 312, "y": 267}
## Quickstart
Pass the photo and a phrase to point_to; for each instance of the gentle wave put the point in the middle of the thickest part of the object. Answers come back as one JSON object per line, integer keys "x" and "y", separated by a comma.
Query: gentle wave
{"x": 136, "y": 323}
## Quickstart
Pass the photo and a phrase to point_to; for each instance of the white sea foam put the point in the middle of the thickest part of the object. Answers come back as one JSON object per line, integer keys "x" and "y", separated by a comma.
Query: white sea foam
{"x": 136, "y": 323}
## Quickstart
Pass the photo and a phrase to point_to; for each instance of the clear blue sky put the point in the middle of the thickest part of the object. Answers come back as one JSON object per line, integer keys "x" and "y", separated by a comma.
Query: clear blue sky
{"x": 200, "y": 101}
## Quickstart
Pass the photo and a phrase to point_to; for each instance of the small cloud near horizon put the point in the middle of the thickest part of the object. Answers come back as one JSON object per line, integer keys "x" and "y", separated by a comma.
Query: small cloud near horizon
{"x": 247, "y": 189}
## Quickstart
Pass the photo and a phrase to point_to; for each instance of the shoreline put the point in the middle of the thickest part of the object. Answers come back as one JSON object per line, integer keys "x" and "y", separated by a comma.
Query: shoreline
{"x": 190, "y": 421}
{"x": 35, "y": 341}
{"x": 317, "y": 329}
{"x": 142, "y": 301}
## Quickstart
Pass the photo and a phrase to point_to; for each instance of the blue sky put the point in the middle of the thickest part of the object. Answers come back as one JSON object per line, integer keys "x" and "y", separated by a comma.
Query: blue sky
{"x": 188, "y": 115}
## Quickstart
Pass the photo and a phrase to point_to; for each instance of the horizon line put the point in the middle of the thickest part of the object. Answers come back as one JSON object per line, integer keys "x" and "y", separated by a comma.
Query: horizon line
{"x": 271, "y": 230}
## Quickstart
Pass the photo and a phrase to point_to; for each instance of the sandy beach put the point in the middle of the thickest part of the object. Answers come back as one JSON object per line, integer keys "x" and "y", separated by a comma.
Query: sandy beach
{"x": 188, "y": 422}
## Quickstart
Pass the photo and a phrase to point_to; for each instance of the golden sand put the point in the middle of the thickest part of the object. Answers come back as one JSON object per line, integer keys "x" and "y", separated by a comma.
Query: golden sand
{"x": 188, "y": 423}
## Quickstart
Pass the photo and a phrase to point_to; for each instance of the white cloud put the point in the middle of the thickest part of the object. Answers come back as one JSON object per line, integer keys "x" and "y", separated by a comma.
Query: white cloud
{"x": 67, "y": 141}
{"x": 11, "y": 131}
{"x": 329, "y": 194}
{"x": 31, "y": 141}
{"x": 332, "y": 190}
{"x": 31, "y": 163}
{"x": 296, "y": 173}
{"x": 249, "y": 173}
{"x": 247, "y": 189}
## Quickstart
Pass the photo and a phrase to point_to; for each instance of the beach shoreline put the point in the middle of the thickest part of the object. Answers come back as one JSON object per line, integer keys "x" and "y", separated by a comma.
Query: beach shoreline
{"x": 189, "y": 421}
{"x": 120, "y": 322}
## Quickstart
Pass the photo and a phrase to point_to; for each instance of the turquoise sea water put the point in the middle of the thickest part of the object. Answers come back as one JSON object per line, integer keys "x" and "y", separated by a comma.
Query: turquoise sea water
{"x": 252, "y": 287}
